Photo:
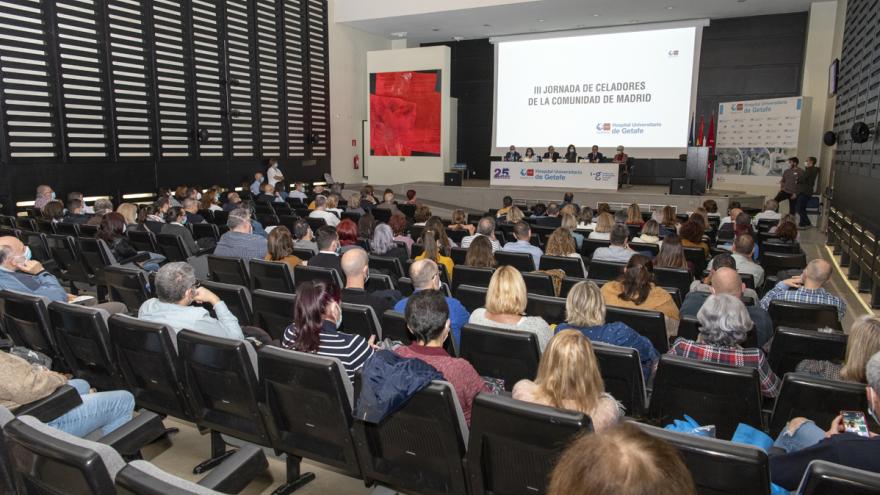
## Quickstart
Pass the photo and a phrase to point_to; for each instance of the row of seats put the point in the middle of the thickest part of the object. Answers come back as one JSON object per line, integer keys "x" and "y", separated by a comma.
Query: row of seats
{"x": 857, "y": 247}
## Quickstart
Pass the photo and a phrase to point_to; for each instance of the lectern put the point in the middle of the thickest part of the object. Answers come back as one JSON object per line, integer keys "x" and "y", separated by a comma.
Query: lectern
{"x": 698, "y": 167}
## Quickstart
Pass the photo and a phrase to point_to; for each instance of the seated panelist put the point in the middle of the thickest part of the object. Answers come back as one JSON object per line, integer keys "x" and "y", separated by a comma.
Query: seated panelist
{"x": 551, "y": 154}
{"x": 513, "y": 155}
{"x": 620, "y": 157}
{"x": 530, "y": 156}
{"x": 571, "y": 155}
{"x": 595, "y": 156}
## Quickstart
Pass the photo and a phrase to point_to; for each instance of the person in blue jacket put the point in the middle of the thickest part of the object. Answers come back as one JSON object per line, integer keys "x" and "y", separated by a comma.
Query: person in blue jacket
{"x": 425, "y": 275}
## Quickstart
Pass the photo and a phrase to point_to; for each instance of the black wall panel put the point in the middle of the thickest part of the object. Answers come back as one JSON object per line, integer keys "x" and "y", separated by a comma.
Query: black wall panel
{"x": 857, "y": 165}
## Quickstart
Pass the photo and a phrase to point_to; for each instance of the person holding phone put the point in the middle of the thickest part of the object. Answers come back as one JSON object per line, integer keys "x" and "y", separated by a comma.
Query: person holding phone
{"x": 847, "y": 442}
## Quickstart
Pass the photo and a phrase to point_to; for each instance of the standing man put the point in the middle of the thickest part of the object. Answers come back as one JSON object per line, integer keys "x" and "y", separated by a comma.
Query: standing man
{"x": 274, "y": 175}
{"x": 512, "y": 155}
{"x": 806, "y": 185}
{"x": 789, "y": 184}
{"x": 595, "y": 156}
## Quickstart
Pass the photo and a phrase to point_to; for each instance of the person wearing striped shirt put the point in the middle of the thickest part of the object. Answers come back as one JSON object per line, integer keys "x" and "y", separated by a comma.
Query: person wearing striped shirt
{"x": 317, "y": 316}
{"x": 807, "y": 288}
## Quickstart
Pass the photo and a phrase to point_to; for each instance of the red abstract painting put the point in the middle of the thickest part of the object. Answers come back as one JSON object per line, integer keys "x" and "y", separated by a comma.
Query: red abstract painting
{"x": 405, "y": 113}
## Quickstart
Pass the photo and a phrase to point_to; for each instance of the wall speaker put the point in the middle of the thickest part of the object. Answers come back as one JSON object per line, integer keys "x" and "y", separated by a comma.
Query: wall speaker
{"x": 452, "y": 179}
{"x": 861, "y": 132}
{"x": 829, "y": 138}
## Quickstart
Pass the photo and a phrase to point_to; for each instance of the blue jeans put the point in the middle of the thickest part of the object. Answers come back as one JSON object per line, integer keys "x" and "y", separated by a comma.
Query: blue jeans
{"x": 807, "y": 435}
{"x": 102, "y": 410}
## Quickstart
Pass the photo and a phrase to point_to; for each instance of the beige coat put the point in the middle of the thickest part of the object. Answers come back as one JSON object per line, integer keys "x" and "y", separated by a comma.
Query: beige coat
{"x": 22, "y": 382}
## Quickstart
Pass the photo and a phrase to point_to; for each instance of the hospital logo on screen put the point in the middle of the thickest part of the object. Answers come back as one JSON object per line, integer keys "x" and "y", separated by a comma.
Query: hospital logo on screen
{"x": 673, "y": 53}
{"x": 603, "y": 128}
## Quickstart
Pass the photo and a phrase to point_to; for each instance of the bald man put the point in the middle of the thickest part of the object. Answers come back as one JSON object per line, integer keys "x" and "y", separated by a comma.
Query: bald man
{"x": 807, "y": 288}
{"x": 355, "y": 265}
{"x": 726, "y": 280}
{"x": 426, "y": 276}
{"x": 20, "y": 273}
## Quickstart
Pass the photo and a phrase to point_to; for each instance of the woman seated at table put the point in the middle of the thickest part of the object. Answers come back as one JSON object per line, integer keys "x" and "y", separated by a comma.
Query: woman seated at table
{"x": 530, "y": 156}
{"x": 571, "y": 155}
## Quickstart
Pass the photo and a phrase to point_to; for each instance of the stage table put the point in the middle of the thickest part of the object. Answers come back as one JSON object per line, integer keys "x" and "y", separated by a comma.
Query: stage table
{"x": 559, "y": 175}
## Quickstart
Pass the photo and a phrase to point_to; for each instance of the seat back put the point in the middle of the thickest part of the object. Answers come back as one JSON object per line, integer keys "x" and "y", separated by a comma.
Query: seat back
{"x": 379, "y": 281}
{"x": 697, "y": 257}
{"x": 316, "y": 223}
{"x": 143, "y": 240}
{"x": 388, "y": 265}
{"x": 65, "y": 251}
{"x": 88, "y": 230}
{"x": 513, "y": 445}
{"x": 306, "y": 401}
{"x": 220, "y": 376}
{"x": 302, "y": 274}
{"x": 826, "y": 478}
{"x": 792, "y": 345}
{"x": 605, "y": 270}
{"x": 172, "y": 247}
{"x": 678, "y": 278}
{"x": 645, "y": 247}
{"x": 420, "y": 448}
{"x": 803, "y": 315}
{"x": 26, "y": 223}
{"x": 273, "y": 276}
{"x": 303, "y": 254}
{"x": 26, "y": 321}
{"x": 458, "y": 255}
{"x": 83, "y": 338}
{"x": 394, "y": 327}
{"x": 273, "y": 311}
{"x": 621, "y": 370}
{"x": 360, "y": 319}
{"x": 774, "y": 262}
{"x": 536, "y": 283}
{"x": 780, "y": 246}
{"x": 509, "y": 355}
{"x": 146, "y": 354}
{"x": 469, "y": 275}
{"x": 551, "y": 308}
{"x": 712, "y": 394}
{"x": 48, "y": 461}
{"x": 649, "y": 323}
{"x": 228, "y": 270}
{"x": 39, "y": 247}
{"x": 94, "y": 257}
{"x": 236, "y": 297}
{"x": 821, "y": 400}
{"x": 128, "y": 286}
{"x": 573, "y": 267}
{"x": 205, "y": 231}
{"x": 719, "y": 467}
{"x": 471, "y": 297}
{"x": 591, "y": 245}
{"x": 521, "y": 261}
{"x": 67, "y": 229}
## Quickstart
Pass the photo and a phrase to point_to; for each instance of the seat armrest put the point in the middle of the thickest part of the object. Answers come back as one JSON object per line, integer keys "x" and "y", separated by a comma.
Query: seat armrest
{"x": 54, "y": 405}
{"x": 237, "y": 471}
{"x": 129, "y": 438}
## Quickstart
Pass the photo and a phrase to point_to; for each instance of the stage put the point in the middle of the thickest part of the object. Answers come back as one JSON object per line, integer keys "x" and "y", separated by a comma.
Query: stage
{"x": 479, "y": 196}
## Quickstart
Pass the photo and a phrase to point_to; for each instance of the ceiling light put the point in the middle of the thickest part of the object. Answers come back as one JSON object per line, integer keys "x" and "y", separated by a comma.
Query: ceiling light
{"x": 595, "y": 15}
{"x": 457, "y": 38}
{"x": 669, "y": 7}
{"x": 399, "y": 34}
{"x": 540, "y": 20}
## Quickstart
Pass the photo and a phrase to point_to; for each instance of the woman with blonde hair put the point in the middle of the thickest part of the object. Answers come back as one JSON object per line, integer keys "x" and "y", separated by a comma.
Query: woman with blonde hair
{"x": 568, "y": 378}
{"x": 562, "y": 243}
{"x": 568, "y": 209}
{"x": 570, "y": 222}
{"x": 129, "y": 212}
{"x": 585, "y": 312}
{"x": 668, "y": 222}
{"x": 602, "y": 232}
{"x": 863, "y": 342}
{"x": 650, "y": 233}
{"x": 459, "y": 222}
{"x": 514, "y": 214}
{"x": 505, "y": 304}
{"x": 634, "y": 215}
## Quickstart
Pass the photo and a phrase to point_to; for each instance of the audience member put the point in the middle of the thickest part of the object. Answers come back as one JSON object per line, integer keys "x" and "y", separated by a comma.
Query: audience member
{"x": 634, "y": 215}
{"x": 459, "y": 222}
{"x": 523, "y": 233}
{"x": 435, "y": 223}
{"x": 333, "y": 205}
{"x": 305, "y": 239}
{"x": 411, "y": 197}
{"x": 505, "y": 305}
{"x": 426, "y": 276}
{"x": 711, "y": 207}
{"x": 650, "y": 233}
{"x": 75, "y": 213}
{"x": 787, "y": 232}
{"x": 355, "y": 265}
{"x": 479, "y": 254}
{"x": 44, "y": 195}
{"x": 726, "y": 280}
{"x": 53, "y": 211}
{"x": 585, "y": 312}
{"x": 806, "y": 288}
{"x": 602, "y": 231}
{"x": 636, "y": 289}
{"x": 485, "y": 227}
{"x": 233, "y": 201}
{"x": 551, "y": 217}
{"x": 421, "y": 215}
{"x": 102, "y": 207}
{"x": 354, "y": 205}
{"x": 398, "y": 228}
{"x": 320, "y": 211}
{"x": 383, "y": 244}
{"x": 257, "y": 184}
{"x": 23, "y": 383}
{"x": 328, "y": 251}
{"x": 618, "y": 251}
{"x": 724, "y": 324}
{"x": 129, "y": 213}
{"x": 507, "y": 203}
{"x": 112, "y": 232}
{"x": 176, "y": 290}
{"x": 298, "y": 192}
{"x": 347, "y": 231}
{"x": 317, "y": 316}
{"x": 432, "y": 242}
{"x": 621, "y": 461}
{"x": 366, "y": 225}
{"x": 743, "y": 249}
{"x": 240, "y": 241}
{"x": 210, "y": 200}
{"x": 771, "y": 211}
{"x": 175, "y": 221}
{"x": 568, "y": 378}
{"x": 279, "y": 247}
{"x": 88, "y": 210}
{"x": 561, "y": 243}
{"x": 513, "y": 215}
{"x": 691, "y": 235}
{"x": 273, "y": 174}
{"x": 568, "y": 200}
{"x": 782, "y": 220}
{"x": 722, "y": 260}
{"x": 388, "y": 202}
{"x": 863, "y": 342}
{"x": 804, "y": 442}
{"x": 671, "y": 254}
{"x": 427, "y": 318}
{"x": 585, "y": 219}
{"x": 191, "y": 208}
{"x": 734, "y": 208}
{"x": 570, "y": 222}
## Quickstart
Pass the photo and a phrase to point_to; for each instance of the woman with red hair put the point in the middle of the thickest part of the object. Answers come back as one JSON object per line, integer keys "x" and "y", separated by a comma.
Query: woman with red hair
{"x": 347, "y": 231}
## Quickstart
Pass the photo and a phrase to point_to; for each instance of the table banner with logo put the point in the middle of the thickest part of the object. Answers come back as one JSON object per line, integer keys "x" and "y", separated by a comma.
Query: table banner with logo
{"x": 559, "y": 175}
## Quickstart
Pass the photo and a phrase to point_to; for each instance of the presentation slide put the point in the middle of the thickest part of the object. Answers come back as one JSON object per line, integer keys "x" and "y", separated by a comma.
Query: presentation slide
{"x": 632, "y": 89}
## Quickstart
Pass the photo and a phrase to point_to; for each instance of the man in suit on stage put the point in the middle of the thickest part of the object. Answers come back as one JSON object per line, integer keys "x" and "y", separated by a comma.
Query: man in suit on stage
{"x": 551, "y": 154}
{"x": 595, "y": 156}
{"x": 512, "y": 155}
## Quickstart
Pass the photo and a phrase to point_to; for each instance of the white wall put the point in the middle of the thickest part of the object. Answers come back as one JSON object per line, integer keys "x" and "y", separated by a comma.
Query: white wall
{"x": 348, "y": 99}
{"x": 387, "y": 170}
{"x": 817, "y": 59}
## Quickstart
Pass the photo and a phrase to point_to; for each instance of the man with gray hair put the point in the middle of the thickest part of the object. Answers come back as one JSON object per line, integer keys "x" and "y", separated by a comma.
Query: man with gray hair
{"x": 88, "y": 210}
{"x": 802, "y": 442}
{"x": 724, "y": 324}
{"x": 44, "y": 195}
{"x": 103, "y": 206}
{"x": 191, "y": 207}
{"x": 806, "y": 288}
{"x": 177, "y": 289}
{"x": 771, "y": 212}
{"x": 618, "y": 251}
{"x": 426, "y": 276}
{"x": 240, "y": 241}
{"x": 485, "y": 227}
{"x": 320, "y": 211}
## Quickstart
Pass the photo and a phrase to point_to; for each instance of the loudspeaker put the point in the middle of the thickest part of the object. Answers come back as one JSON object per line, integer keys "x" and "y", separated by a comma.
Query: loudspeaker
{"x": 681, "y": 187}
{"x": 452, "y": 179}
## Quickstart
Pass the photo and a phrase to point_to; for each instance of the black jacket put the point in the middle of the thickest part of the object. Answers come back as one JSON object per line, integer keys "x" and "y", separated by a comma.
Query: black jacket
{"x": 327, "y": 260}
{"x": 554, "y": 157}
{"x": 847, "y": 449}
{"x": 380, "y": 300}
{"x": 806, "y": 183}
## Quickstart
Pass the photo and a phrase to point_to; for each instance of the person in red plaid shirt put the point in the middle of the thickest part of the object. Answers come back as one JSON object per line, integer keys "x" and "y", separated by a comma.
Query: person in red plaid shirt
{"x": 724, "y": 323}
